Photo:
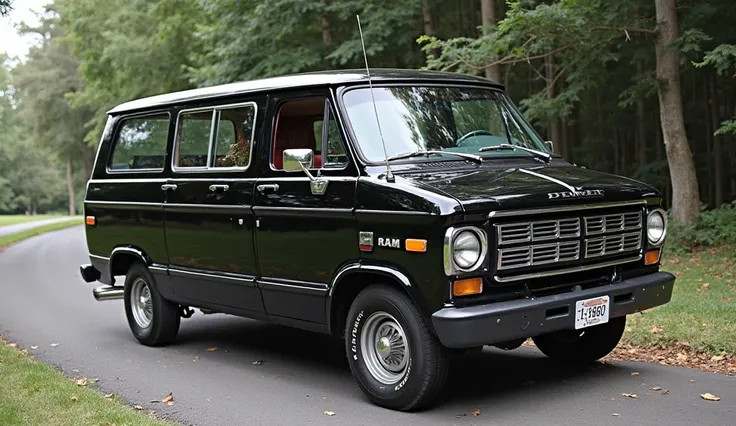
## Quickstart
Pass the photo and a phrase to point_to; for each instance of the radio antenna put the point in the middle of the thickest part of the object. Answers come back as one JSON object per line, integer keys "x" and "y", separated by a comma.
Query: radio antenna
{"x": 389, "y": 173}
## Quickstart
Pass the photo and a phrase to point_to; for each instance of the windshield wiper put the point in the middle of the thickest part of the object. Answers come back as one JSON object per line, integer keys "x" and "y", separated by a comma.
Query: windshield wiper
{"x": 426, "y": 153}
{"x": 505, "y": 146}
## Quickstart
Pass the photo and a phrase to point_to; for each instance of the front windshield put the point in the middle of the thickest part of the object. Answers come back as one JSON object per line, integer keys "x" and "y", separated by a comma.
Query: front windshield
{"x": 416, "y": 118}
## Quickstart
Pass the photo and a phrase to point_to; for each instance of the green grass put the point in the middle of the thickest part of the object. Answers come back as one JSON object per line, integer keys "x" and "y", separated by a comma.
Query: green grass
{"x": 7, "y": 240}
{"x": 32, "y": 393}
{"x": 702, "y": 312}
{"x": 13, "y": 219}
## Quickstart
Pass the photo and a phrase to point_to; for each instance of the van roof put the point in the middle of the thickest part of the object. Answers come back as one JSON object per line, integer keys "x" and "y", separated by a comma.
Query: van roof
{"x": 319, "y": 78}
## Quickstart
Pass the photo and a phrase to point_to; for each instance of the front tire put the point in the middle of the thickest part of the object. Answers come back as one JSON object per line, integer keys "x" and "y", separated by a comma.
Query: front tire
{"x": 153, "y": 320}
{"x": 582, "y": 346}
{"x": 396, "y": 360}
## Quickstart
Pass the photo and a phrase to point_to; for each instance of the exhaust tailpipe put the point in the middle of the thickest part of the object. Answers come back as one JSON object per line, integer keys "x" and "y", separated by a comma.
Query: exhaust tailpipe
{"x": 107, "y": 292}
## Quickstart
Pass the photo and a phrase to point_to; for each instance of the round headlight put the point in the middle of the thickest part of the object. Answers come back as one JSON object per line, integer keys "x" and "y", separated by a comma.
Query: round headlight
{"x": 466, "y": 249}
{"x": 656, "y": 227}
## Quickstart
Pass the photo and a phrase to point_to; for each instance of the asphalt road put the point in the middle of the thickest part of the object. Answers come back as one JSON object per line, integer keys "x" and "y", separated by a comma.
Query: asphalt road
{"x": 43, "y": 301}
{"x": 12, "y": 229}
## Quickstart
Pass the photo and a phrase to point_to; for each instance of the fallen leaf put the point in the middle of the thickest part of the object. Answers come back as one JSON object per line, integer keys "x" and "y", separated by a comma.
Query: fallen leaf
{"x": 681, "y": 357}
{"x": 12, "y": 345}
{"x": 476, "y": 413}
{"x": 34, "y": 347}
{"x": 666, "y": 392}
{"x": 53, "y": 345}
{"x": 75, "y": 398}
{"x": 655, "y": 330}
{"x": 460, "y": 415}
{"x": 634, "y": 373}
{"x": 710, "y": 397}
{"x": 211, "y": 349}
{"x": 169, "y": 398}
{"x": 110, "y": 424}
{"x": 1, "y": 361}
{"x": 656, "y": 388}
{"x": 154, "y": 401}
{"x": 717, "y": 358}
{"x": 705, "y": 286}
{"x": 615, "y": 414}
{"x": 258, "y": 362}
{"x": 138, "y": 407}
{"x": 108, "y": 395}
{"x": 630, "y": 395}
{"x": 330, "y": 413}
{"x": 81, "y": 382}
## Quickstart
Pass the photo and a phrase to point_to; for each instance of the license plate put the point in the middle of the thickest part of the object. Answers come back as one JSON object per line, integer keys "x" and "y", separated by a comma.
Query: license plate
{"x": 590, "y": 312}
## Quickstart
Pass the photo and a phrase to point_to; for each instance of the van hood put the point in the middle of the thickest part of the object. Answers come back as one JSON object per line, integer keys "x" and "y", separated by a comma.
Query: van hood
{"x": 515, "y": 188}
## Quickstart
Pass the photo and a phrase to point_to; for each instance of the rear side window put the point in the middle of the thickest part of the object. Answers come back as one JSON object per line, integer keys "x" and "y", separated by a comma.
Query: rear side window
{"x": 140, "y": 144}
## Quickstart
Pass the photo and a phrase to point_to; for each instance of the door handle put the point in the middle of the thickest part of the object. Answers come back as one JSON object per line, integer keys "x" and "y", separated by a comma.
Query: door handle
{"x": 223, "y": 188}
{"x": 273, "y": 187}
{"x": 167, "y": 186}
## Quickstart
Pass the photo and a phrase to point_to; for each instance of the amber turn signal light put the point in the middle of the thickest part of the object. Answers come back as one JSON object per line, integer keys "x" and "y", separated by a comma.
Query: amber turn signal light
{"x": 90, "y": 220}
{"x": 467, "y": 287}
{"x": 416, "y": 245}
{"x": 651, "y": 257}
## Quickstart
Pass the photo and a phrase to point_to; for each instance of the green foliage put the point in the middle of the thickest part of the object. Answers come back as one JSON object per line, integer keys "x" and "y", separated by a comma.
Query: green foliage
{"x": 5, "y": 7}
{"x": 134, "y": 49}
{"x": 716, "y": 228}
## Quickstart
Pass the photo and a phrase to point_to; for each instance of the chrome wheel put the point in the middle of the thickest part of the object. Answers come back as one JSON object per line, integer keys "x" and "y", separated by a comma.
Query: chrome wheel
{"x": 141, "y": 304}
{"x": 385, "y": 348}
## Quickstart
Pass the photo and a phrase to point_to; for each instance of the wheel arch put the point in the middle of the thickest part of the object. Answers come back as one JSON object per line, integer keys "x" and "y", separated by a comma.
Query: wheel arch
{"x": 122, "y": 258}
{"x": 352, "y": 278}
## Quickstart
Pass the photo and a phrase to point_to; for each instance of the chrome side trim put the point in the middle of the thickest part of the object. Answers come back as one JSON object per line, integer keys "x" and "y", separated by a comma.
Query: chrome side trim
{"x": 292, "y": 287}
{"x": 566, "y": 270}
{"x": 207, "y": 206}
{"x": 551, "y": 179}
{"x": 131, "y": 180}
{"x": 375, "y": 268}
{"x": 241, "y": 279}
{"x": 507, "y": 213}
{"x": 390, "y": 271}
{"x": 396, "y": 212}
{"x": 130, "y": 250}
{"x": 123, "y": 203}
{"x": 98, "y": 257}
{"x": 302, "y": 209}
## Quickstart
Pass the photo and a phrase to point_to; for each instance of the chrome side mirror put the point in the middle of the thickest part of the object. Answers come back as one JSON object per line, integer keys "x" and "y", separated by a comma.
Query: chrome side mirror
{"x": 303, "y": 159}
{"x": 550, "y": 146}
{"x": 296, "y": 160}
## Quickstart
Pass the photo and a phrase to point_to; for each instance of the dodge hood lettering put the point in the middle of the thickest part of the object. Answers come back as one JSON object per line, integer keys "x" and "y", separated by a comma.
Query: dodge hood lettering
{"x": 490, "y": 188}
{"x": 576, "y": 194}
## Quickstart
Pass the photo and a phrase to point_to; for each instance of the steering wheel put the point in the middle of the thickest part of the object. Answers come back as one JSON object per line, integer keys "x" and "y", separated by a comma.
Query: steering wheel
{"x": 471, "y": 134}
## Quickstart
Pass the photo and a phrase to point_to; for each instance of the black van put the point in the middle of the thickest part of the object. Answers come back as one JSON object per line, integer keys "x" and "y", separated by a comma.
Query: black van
{"x": 415, "y": 218}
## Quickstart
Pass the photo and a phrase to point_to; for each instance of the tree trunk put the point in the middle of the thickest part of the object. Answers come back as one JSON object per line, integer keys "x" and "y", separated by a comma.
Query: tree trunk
{"x": 427, "y": 17}
{"x": 685, "y": 193}
{"x": 717, "y": 151}
{"x": 554, "y": 127}
{"x": 641, "y": 125}
{"x": 708, "y": 112}
{"x": 89, "y": 161}
{"x": 326, "y": 34}
{"x": 488, "y": 15}
{"x": 70, "y": 187}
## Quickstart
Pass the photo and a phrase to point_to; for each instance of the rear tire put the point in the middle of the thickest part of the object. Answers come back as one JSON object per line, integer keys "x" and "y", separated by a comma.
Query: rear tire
{"x": 582, "y": 346}
{"x": 153, "y": 320}
{"x": 396, "y": 360}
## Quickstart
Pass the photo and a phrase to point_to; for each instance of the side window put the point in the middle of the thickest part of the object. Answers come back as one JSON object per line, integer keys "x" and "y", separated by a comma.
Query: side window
{"x": 193, "y": 139}
{"x": 141, "y": 143}
{"x": 300, "y": 124}
{"x": 234, "y": 137}
{"x": 199, "y": 146}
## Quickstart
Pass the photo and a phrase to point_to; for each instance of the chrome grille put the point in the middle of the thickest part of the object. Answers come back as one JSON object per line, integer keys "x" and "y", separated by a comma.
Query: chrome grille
{"x": 612, "y": 244}
{"x": 522, "y": 232}
{"x": 538, "y": 254}
{"x": 612, "y": 223}
{"x": 545, "y": 242}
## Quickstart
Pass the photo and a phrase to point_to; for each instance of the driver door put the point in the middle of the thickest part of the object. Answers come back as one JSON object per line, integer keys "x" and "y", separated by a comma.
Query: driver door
{"x": 303, "y": 232}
